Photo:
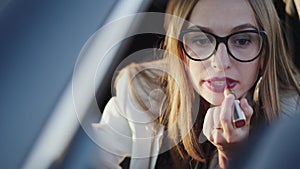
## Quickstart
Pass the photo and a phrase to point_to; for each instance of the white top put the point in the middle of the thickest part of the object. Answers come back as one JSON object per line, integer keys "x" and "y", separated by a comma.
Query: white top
{"x": 127, "y": 129}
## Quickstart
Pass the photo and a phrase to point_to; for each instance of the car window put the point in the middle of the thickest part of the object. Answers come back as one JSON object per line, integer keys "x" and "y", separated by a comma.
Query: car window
{"x": 40, "y": 42}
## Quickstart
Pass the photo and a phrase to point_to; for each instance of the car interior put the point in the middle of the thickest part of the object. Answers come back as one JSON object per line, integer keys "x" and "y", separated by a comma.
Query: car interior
{"x": 46, "y": 95}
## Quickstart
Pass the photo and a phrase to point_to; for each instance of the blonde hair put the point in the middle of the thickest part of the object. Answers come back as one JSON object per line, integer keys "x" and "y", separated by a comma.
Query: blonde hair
{"x": 277, "y": 73}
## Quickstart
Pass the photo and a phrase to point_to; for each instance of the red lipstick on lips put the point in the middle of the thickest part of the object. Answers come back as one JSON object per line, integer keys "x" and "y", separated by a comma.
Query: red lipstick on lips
{"x": 218, "y": 85}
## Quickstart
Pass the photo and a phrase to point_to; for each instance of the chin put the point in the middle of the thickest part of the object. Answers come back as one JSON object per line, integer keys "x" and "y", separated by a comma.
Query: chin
{"x": 214, "y": 99}
{"x": 216, "y": 102}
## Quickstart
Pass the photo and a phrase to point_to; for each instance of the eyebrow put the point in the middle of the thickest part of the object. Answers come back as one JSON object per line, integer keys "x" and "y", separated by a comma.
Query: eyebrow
{"x": 237, "y": 28}
{"x": 244, "y": 26}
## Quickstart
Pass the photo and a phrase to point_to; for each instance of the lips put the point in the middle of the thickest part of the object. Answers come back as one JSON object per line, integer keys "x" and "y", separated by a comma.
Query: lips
{"x": 218, "y": 85}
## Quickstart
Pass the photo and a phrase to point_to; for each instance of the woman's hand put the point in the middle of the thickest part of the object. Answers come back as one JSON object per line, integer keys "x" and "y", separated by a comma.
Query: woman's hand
{"x": 219, "y": 130}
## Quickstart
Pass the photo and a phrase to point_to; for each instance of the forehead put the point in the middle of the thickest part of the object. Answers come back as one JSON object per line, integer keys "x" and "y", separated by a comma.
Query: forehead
{"x": 222, "y": 16}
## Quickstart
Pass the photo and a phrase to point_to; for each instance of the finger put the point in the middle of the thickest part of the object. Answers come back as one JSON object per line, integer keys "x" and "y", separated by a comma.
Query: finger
{"x": 216, "y": 117}
{"x": 248, "y": 110}
{"x": 226, "y": 114}
{"x": 208, "y": 124}
{"x": 218, "y": 138}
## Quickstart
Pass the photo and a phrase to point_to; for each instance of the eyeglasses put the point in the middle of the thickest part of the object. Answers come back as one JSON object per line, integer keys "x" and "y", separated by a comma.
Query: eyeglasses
{"x": 243, "y": 46}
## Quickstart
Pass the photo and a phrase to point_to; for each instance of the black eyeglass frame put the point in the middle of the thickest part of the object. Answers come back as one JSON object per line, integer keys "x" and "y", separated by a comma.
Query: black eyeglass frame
{"x": 225, "y": 41}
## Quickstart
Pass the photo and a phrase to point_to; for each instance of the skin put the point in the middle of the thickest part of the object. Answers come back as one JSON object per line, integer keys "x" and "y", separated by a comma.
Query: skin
{"x": 215, "y": 16}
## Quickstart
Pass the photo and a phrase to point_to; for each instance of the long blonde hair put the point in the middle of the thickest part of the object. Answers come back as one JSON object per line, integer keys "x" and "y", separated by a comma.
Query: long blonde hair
{"x": 277, "y": 73}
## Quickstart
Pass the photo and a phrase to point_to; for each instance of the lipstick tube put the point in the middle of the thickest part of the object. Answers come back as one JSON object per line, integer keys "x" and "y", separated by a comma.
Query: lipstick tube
{"x": 239, "y": 118}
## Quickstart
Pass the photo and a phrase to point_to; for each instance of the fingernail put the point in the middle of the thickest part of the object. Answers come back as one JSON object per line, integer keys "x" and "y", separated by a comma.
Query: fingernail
{"x": 226, "y": 90}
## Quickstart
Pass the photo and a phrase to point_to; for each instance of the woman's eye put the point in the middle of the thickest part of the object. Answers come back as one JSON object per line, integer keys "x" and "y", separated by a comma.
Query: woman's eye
{"x": 241, "y": 40}
{"x": 202, "y": 41}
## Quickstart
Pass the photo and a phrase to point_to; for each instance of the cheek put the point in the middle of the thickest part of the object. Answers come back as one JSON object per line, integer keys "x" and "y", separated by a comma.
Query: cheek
{"x": 196, "y": 70}
{"x": 248, "y": 76}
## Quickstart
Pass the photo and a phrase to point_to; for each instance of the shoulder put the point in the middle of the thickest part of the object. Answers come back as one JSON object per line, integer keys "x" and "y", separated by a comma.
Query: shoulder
{"x": 140, "y": 88}
{"x": 141, "y": 77}
{"x": 289, "y": 102}
{"x": 143, "y": 71}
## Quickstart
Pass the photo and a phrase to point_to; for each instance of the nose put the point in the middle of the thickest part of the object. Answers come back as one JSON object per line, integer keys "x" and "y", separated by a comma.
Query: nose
{"x": 221, "y": 60}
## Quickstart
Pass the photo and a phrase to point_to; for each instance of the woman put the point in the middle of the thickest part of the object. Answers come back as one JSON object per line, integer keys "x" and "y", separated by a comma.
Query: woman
{"x": 231, "y": 45}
